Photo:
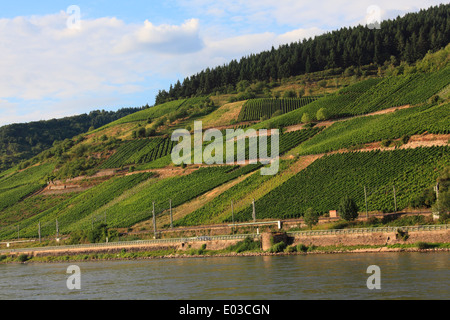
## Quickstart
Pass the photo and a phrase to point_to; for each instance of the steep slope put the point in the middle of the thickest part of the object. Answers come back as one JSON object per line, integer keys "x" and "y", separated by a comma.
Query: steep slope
{"x": 119, "y": 170}
{"x": 22, "y": 141}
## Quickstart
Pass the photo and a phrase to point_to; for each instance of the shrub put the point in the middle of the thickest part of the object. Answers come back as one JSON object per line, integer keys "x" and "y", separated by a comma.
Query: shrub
{"x": 403, "y": 235}
{"x": 150, "y": 132}
{"x": 22, "y": 258}
{"x": 348, "y": 209}
{"x": 279, "y": 247}
{"x": 341, "y": 224}
{"x": 306, "y": 118}
{"x": 405, "y": 139}
{"x": 323, "y": 83}
{"x": 98, "y": 234}
{"x": 373, "y": 221}
{"x": 302, "y": 248}
{"x": 291, "y": 249}
{"x": 322, "y": 114}
{"x": 386, "y": 143}
{"x": 141, "y": 132}
{"x": 311, "y": 218}
{"x": 290, "y": 94}
{"x": 424, "y": 245}
{"x": 246, "y": 245}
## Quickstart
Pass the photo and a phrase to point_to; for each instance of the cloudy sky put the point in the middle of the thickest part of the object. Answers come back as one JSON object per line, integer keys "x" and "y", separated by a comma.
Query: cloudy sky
{"x": 60, "y": 58}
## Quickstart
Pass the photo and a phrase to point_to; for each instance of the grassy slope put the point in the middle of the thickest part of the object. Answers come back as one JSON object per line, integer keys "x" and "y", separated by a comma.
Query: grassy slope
{"x": 407, "y": 122}
{"x": 326, "y": 181}
{"x": 136, "y": 193}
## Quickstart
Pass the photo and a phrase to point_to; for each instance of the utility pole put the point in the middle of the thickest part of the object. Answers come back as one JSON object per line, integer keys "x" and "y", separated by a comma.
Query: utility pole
{"x": 365, "y": 198}
{"x": 436, "y": 189}
{"x": 39, "y": 231}
{"x": 57, "y": 229}
{"x": 18, "y": 232}
{"x": 254, "y": 211}
{"x": 395, "y": 201}
{"x": 154, "y": 219}
{"x": 171, "y": 217}
{"x": 232, "y": 213}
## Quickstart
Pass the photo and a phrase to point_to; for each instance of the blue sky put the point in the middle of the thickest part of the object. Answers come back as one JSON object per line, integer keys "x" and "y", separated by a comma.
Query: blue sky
{"x": 125, "y": 51}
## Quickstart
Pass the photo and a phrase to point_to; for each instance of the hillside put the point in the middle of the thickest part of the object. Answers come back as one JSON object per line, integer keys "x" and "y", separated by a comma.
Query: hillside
{"x": 24, "y": 140}
{"x": 407, "y": 39}
{"x": 341, "y": 135}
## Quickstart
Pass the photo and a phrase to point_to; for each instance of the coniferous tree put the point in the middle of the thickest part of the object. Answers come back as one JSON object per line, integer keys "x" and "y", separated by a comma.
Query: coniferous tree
{"x": 406, "y": 38}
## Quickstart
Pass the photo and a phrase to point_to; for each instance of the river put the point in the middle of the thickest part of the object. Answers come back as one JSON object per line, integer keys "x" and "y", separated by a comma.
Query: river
{"x": 305, "y": 277}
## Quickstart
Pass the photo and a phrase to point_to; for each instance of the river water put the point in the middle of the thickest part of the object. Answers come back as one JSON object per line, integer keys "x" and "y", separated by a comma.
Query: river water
{"x": 305, "y": 277}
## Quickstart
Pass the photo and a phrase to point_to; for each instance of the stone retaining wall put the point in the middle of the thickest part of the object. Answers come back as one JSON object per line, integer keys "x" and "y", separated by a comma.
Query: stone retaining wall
{"x": 381, "y": 238}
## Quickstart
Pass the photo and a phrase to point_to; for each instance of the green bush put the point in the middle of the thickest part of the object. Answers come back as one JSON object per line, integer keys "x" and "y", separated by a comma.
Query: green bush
{"x": 306, "y": 118}
{"x": 279, "y": 247}
{"x": 403, "y": 235}
{"x": 322, "y": 114}
{"x": 302, "y": 248}
{"x": 348, "y": 209}
{"x": 22, "y": 258}
{"x": 424, "y": 245}
{"x": 291, "y": 249}
{"x": 386, "y": 143}
{"x": 311, "y": 217}
{"x": 405, "y": 139}
{"x": 246, "y": 245}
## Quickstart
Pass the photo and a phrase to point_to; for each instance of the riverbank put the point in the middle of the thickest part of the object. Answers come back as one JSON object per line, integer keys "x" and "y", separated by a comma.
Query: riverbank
{"x": 176, "y": 254}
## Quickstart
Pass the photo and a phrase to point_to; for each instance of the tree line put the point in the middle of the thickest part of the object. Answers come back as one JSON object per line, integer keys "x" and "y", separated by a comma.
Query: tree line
{"x": 25, "y": 140}
{"x": 407, "y": 38}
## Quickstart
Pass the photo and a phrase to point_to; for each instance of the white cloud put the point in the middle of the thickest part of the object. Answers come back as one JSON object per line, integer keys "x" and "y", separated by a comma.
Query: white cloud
{"x": 41, "y": 57}
{"x": 301, "y": 13}
{"x": 109, "y": 60}
{"x": 166, "y": 39}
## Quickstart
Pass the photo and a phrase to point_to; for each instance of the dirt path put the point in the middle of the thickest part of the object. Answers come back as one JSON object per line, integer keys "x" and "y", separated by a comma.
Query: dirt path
{"x": 417, "y": 141}
{"x": 329, "y": 123}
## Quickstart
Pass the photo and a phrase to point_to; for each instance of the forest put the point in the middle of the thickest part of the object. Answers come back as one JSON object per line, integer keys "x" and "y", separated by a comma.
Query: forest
{"x": 25, "y": 140}
{"x": 406, "y": 39}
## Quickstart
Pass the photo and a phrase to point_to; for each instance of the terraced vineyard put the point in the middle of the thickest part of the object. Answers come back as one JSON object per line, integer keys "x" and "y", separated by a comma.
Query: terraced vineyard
{"x": 358, "y": 131}
{"x": 401, "y": 90}
{"x": 138, "y": 206}
{"x": 139, "y": 151}
{"x": 151, "y": 112}
{"x": 369, "y": 96}
{"x": 70, "y": 212}
{"x": 18, "y": 185}
{"x": 215, "y": 210}
{"x": 324, "y": 183}
{"x": 336, "y": 105}
{"x": 256, "y": 109}
{"x": 30, "y": 175}
{"x": 287, "y": 141}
